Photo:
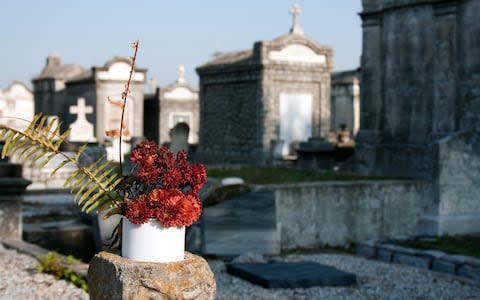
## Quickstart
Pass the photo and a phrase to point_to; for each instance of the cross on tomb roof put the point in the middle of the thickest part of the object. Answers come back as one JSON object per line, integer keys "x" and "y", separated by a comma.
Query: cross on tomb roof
{"x": 295, "y": 11}
{"x": 181, "y": 74}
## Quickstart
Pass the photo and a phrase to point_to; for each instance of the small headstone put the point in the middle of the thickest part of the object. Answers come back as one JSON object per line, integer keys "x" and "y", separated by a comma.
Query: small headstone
{"x": 179, "y": 137}
{"x": 81, "y": 129}
{"x": 291, "y": 275}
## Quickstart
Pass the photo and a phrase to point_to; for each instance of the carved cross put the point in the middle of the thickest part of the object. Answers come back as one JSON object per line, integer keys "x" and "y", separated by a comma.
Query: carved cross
{"x": 81, "y": 110}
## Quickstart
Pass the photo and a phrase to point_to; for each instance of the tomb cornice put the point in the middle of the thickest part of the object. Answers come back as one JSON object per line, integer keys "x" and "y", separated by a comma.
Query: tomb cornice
{"x": 372, "y": 7}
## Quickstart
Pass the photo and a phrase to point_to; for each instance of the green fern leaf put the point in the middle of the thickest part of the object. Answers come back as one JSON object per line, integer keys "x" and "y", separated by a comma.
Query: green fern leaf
{"x": 80, "y": 151}
{"x": 91, "y": 201}
{"x": 61, "y": 165}
{"x": 86, "y": 194}
{"x": 47, "y": 159}
{"x": 61, "y": 139}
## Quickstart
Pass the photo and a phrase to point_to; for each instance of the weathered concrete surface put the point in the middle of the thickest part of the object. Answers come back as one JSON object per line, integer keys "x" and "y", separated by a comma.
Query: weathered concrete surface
{"x": 420, "y": 89}
{"x": 419, "y": 81}
{"x": 12, "y": 186}
{"x": 245, "y": 223}
{"x": 113, "y": 277}
{"x": 336, "y": 213}
{"x": 457, "y": 205}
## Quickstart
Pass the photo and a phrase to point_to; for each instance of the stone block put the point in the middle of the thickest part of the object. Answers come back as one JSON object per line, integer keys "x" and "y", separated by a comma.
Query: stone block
{"x": 443, "y": 266}
{"x": 429, "y": 225}
{"x": 385, "y": 255}
{"x": 12, "y": 186}
{"x": 113, "y": 277}
{"x": 469, "y": 271}
{"x": 412, "y": 260}
{"x": 366, "y": 250}
{"x": 434, "y": 254}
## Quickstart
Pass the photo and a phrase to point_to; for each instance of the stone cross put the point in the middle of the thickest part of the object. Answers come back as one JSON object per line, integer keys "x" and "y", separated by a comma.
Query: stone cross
{"x": 181, "y": 74}
{"x": 295, "y": 12}
{"x": 81, "y": 110}
{"x": 81, "y": 129}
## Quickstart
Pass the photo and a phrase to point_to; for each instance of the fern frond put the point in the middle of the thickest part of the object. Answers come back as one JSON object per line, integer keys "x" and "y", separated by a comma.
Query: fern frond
{"x": 61, "y": 165}
{"x": 86, "y": 194}
{"x": 46, "y": 160}
{"x": 41, "y": 142}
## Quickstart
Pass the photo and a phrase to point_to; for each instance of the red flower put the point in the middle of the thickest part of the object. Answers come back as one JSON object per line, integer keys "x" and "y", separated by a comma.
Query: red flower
{"x": 167, "y": 178}
{"x": 137, "y": 212}
{"x": 149, "y": 175}
{"x": 143, "y": 152}
{"x": 198, "y": 177}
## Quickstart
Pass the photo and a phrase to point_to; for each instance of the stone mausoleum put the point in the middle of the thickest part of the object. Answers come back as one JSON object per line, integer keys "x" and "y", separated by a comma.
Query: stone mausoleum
{"x": 175, "y": 103}
{"x": 345, "y": 106}
{"x": 420, "y": 110}
{"x": 259, "y": 103}
{"x": 16, "y": 105}
{"x": 78, "y": 98}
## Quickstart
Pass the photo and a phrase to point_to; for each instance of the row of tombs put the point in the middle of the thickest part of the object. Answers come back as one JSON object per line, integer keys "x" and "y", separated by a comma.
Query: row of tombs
{"x": 419, "y": 115}
{"x": 227, "y": 118}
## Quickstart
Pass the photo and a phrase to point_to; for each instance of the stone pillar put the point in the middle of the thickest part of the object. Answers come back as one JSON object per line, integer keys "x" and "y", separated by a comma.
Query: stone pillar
{"x": 445, "y": 67}
{"x": 12, "y": 187}
{"x": 371, "y": 94}
{"x": 113, "y": 277}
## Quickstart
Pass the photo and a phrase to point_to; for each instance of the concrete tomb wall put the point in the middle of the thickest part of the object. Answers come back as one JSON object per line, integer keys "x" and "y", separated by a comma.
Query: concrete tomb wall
{"x": 317, "y": 214}
{"x": 420, "y": 110}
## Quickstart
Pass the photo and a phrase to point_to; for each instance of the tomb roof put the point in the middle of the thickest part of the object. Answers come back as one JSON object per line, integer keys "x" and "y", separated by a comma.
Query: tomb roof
{"x": 230, "y": 58}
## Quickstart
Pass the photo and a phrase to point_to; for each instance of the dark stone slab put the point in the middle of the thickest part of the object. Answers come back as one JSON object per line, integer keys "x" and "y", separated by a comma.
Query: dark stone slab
{"x": 412, "y": 260}
{"x": 385, "y": 255}
{"x": 366, "y": 250}
{"x": 444, "y": 266}
{"x": 469, "y": 272}
{"x": 291, "y": 275}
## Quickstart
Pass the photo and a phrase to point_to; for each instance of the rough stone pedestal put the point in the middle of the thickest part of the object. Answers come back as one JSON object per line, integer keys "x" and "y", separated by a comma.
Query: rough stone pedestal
{"x": 12, "y": 187}
{"x": 113, "y": 277}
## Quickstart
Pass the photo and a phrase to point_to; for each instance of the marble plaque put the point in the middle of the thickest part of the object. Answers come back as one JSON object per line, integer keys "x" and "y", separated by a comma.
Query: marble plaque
{"x": 295, "y": 119}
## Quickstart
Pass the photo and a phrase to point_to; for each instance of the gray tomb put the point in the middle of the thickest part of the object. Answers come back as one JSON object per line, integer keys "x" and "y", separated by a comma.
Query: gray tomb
{"x": 420, "y": 111}
{"x": 179, "y": 137}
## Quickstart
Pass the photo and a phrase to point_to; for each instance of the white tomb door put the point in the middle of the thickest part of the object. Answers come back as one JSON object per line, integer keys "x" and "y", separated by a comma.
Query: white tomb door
{"x": 295, "y": 119}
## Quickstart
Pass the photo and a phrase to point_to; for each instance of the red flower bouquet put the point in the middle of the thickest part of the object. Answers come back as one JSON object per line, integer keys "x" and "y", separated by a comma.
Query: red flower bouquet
{"x": 164, "y": 187}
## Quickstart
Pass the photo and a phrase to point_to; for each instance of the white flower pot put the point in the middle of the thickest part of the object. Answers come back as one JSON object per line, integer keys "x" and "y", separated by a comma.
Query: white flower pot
{"x": 152, "y": 242}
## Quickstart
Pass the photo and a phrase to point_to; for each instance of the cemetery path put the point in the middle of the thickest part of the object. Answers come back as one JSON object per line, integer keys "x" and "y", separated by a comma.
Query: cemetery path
{"x": 242, "y": 224}
{"x": 19, "y": 279}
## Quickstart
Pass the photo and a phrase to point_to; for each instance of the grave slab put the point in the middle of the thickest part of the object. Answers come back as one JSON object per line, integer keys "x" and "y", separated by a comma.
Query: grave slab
{"x": 291, "y": 275}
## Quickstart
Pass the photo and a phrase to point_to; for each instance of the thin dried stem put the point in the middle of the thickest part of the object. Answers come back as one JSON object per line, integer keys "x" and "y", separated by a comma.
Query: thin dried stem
{"x": 124, "y": 98}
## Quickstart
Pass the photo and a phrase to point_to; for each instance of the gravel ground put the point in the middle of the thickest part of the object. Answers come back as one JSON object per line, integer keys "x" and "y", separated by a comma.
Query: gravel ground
{"x": 376, "y": 280}
{"x": 19, "y": 279}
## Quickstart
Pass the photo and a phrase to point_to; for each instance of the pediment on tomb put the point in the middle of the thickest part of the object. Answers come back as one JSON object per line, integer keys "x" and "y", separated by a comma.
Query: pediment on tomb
{"x": 297, "y": 53}
{"x": 180, "y": 94}
{"x": 18, "y": 89}
{"x": 118, "y": 69}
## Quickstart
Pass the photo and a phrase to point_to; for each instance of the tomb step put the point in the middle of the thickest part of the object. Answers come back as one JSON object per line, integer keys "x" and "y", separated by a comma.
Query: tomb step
{"x": 230, "y": 243}
{"x": 66, "y": 237}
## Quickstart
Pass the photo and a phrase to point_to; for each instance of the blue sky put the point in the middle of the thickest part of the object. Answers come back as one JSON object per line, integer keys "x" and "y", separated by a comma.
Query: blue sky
{"x": 171, "y": 33}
